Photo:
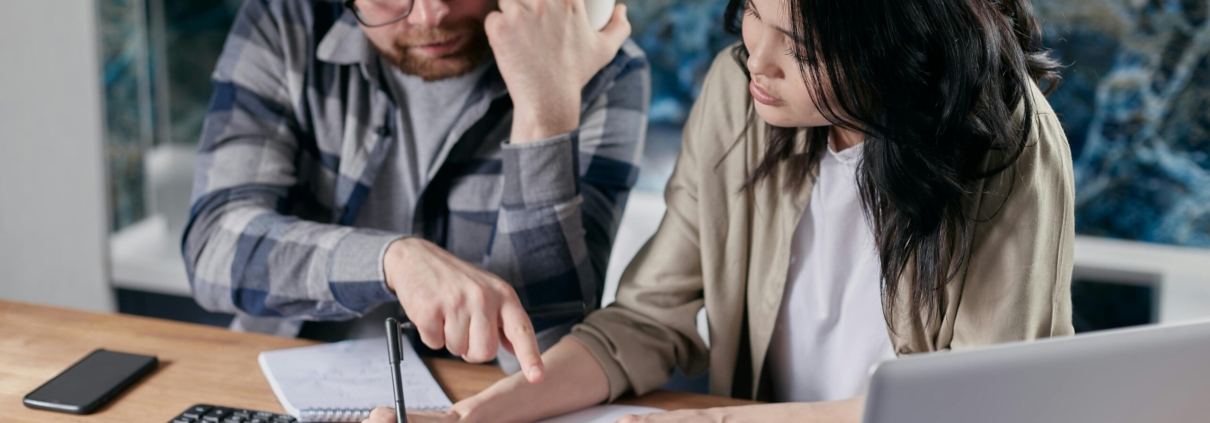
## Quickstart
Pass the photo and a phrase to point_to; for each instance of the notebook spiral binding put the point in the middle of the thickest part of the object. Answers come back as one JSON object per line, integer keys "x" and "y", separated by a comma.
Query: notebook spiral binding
{"x": 333, "y": 415}
{"x": 339, "y": 414}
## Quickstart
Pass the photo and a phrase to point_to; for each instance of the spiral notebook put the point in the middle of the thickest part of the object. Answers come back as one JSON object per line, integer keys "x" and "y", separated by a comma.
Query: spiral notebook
{"x": 344, "y": 381}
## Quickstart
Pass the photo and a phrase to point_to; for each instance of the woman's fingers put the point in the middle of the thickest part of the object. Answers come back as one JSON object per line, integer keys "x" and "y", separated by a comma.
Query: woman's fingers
{"x": 387, "y": 415}
{"x": 381, "y": 415}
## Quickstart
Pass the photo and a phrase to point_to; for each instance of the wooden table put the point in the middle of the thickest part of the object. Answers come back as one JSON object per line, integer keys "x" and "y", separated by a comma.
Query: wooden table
{"x": 198, "y": 364}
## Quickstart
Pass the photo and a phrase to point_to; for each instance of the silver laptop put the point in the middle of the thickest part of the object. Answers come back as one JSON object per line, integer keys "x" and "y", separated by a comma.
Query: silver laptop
{"x": 1155, "y": 374}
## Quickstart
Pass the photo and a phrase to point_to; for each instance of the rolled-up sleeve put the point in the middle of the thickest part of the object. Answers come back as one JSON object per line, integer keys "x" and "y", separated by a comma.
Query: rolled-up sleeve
{"x": 563, "y": 196}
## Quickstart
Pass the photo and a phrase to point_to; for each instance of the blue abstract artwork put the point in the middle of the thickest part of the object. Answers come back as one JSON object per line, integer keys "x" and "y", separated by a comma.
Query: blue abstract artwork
{"x": 1135, "y": 102}
{"x": 681, "y": 39}
{"x": 125, "y": 76}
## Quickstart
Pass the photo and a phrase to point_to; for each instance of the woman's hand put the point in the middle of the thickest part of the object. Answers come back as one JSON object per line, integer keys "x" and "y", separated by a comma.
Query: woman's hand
{"x": 547, "y": 51}
{"x": 387, "y": 415}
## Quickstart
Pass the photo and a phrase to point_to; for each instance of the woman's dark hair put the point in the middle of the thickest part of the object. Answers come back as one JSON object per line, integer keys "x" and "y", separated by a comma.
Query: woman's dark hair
{"x": 933, "y": 86}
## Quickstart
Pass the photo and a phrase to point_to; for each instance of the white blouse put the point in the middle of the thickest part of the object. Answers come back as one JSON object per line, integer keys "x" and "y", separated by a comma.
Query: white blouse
{"x": 830, "y": 329}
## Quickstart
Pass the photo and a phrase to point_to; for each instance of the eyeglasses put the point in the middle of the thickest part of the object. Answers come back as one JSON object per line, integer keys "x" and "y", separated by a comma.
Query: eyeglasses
{"x": 373, "y": 13}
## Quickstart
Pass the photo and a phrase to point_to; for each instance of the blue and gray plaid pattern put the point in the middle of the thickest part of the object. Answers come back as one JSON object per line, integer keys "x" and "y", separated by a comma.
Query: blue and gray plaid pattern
{"x": 297, "y": 130}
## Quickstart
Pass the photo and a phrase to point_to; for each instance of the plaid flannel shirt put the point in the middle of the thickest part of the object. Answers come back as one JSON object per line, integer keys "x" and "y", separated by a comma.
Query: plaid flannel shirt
{"x": 297, "y": 131}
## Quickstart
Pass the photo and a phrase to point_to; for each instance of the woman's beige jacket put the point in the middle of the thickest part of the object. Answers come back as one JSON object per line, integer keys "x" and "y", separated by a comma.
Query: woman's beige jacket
{"x": 728, "y": 250}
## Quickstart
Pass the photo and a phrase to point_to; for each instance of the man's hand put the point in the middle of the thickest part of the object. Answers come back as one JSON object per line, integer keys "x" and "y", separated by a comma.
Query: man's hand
{"x": 547, "y": 51}
{"x": 387, "y": 415}
{"x": 456, "y": 305}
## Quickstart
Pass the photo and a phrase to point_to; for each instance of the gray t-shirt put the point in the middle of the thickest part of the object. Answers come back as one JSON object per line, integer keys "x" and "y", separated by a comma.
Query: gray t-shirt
{"x": 427, "y": 113}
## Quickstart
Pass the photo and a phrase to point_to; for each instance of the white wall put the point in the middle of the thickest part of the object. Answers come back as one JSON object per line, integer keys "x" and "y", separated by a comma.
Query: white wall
{"x": 1181, "y": 274}
{"x": 52, "y": 179}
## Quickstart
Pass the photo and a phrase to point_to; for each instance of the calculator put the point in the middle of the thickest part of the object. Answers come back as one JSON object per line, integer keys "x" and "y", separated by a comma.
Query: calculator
{"x": 202, "y": 413}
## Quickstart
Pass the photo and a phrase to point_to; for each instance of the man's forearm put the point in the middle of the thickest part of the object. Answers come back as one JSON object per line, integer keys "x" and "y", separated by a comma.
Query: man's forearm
{"x": 540, "y": 241}
{"x": 231, "y": 273}
{"x": 533, "y": 123}
{"x": 574, "y": 380}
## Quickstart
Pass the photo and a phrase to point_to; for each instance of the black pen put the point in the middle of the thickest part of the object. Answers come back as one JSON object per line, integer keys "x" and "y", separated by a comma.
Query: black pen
{"x": 394, "y": 328}
{"x": 401, "y": 414}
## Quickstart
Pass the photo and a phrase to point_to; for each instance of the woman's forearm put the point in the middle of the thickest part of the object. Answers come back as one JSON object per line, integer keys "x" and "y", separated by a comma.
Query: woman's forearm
{"x": 573, "y": 380}
{"x": 842, "y": 411}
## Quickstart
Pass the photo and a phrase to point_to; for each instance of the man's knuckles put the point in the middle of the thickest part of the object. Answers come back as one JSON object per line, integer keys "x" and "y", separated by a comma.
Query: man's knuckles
{"x": 423, "y": 312}
{"x": 470, "y": 296}
{"x": 480, "y": 355}
{"x": 533, "y": 6}
{"x": 568, "y": 5}
{"x": 505, "y": 292}
{"x": 479, "y": 297}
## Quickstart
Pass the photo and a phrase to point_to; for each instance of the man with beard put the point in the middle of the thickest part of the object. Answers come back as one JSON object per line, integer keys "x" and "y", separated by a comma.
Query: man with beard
{"x": 452, "y": 161}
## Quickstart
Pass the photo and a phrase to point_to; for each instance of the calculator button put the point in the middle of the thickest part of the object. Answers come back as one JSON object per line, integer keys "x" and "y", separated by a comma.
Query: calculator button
{"x": 202, "y": 413}
{"x": 196, "y": 411}
{"x": 216, "y": 414}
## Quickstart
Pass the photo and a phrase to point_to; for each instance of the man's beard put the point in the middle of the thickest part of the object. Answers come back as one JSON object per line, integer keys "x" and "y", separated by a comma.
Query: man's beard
{"x": 460, "y": 63}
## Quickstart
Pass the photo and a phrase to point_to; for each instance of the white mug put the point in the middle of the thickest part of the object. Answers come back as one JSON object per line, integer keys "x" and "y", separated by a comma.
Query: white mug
{"x": 599, "y": 12}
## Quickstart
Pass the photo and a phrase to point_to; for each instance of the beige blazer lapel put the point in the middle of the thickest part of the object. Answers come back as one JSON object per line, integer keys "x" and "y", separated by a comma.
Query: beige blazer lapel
{"x": 778, "y": 211}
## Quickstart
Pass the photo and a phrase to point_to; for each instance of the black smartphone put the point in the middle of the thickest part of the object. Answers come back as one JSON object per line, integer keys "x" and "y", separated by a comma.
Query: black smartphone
{"x": 91, "y": 382}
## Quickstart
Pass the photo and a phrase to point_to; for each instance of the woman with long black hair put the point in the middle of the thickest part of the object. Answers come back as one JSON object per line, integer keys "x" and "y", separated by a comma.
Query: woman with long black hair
{"x": 859, "y": 180}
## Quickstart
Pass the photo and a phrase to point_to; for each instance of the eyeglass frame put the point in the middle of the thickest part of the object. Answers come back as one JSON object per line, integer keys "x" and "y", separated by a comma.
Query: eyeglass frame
{"x": 350, "y": 4}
